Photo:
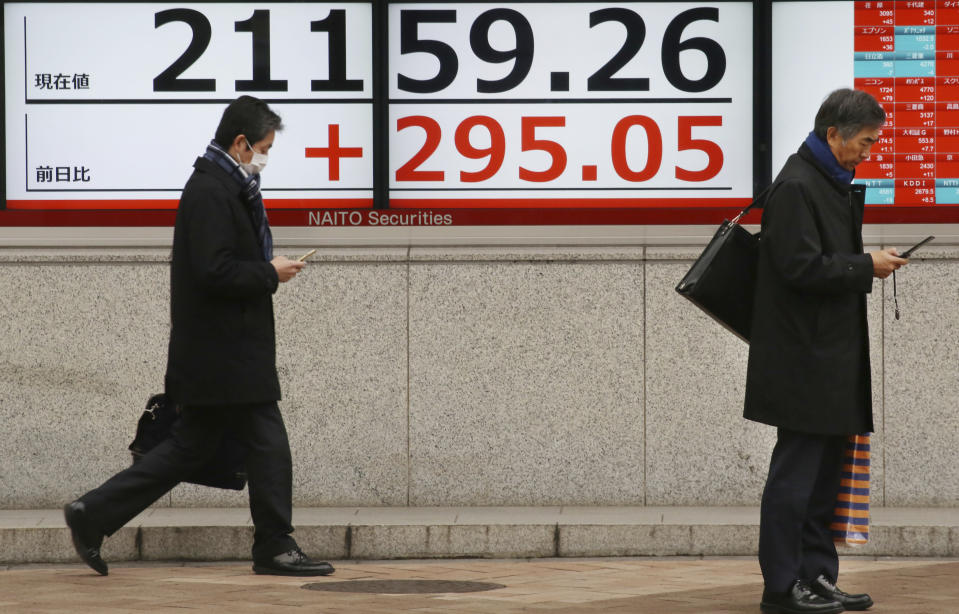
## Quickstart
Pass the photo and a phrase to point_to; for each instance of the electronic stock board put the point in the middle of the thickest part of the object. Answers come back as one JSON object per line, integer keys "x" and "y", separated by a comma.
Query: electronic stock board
{"x": 486, "y": 109}
{"x": 466, "y": 113}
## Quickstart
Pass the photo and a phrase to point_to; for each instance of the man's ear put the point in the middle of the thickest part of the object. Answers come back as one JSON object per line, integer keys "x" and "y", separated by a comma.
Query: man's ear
{"x": 833, "y": 137}
{"x": 239, "y": 142}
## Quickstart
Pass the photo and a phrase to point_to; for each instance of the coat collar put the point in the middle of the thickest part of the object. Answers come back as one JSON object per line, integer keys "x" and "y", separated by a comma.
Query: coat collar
{"x": 205, "y": 166}
{"x": 855, "y": 190}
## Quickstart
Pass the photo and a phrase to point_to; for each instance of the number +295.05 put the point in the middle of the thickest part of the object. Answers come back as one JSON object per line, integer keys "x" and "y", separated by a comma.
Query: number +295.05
{"x": 496, "y": 151}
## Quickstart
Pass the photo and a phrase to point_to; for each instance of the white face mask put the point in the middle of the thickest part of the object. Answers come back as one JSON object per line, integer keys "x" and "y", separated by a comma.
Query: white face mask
{"x": 257, "y": 163}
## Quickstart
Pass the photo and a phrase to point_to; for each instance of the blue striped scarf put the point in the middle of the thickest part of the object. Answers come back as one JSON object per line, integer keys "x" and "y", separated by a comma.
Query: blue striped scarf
{"x": 250, "y": 191}
{"x": 827, "y": 158}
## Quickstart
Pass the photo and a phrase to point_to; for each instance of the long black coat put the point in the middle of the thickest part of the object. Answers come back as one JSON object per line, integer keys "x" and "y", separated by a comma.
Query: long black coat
{"x": 809, "y": 347}
{"x": 222, "y": 340}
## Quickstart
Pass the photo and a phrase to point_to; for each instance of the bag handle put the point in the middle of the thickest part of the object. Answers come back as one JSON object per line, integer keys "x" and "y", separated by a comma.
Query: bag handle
{"x": 755, "y": 202}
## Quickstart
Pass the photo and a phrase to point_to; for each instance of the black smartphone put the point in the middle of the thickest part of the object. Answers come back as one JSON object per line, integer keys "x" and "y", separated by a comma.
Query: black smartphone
{"x": 908, "y": 252}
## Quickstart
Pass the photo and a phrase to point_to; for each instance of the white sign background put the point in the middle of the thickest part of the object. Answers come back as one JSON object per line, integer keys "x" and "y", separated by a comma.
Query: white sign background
{"x": 144, "y": 151}
{"x": 565, "y": 43}
{"x": 805, "y": 73}
{"x": 140, "y": 150}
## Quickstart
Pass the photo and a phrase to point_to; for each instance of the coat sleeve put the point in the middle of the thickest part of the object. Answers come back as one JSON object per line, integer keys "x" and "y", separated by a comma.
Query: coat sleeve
{"x": 792, "y": 240}
{"x": 212, "y": 236}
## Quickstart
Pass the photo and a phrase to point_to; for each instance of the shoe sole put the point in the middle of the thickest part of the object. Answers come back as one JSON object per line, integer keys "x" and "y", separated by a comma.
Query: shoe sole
{"x": 269, "y": 571}
{"x": 860, "y": 608}
{"x": 856, "y": 608}
{"x": 99, "y": 566}
{"x": 768, "y": 608}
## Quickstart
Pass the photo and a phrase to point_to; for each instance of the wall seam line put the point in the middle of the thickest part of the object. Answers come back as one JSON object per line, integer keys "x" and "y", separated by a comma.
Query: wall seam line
{"x": 882, "y": 407}
{"x": 409, "y": 435}
{"x": 645, "y": 381}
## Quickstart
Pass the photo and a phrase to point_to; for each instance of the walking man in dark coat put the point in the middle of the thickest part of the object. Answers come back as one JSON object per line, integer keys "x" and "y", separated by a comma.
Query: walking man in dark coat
{"x": 221, "y": 368}
{"x": 808, "y": 372}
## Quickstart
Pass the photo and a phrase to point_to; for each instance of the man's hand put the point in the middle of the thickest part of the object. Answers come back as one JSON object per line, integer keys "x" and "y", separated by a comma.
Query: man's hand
{"x": 885, "y": 261}
{"x": 287, "y": 269}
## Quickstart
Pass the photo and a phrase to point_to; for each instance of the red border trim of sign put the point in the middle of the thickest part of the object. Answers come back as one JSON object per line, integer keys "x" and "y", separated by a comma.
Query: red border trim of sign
{"x": 564, "y": 203}
{"x": 152, "y": 204}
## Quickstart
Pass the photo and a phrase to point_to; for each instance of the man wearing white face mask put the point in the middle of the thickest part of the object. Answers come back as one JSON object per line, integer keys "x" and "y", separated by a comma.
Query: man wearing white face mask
{"x": 221, "y": 369}
{"x": 257, "y": 160}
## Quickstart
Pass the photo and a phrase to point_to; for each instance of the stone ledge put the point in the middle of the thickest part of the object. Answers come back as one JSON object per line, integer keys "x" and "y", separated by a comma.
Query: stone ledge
{"x": 607, "y": 254}
{"x": 202, "y": 534}
{"x": 132, "y": 255}
{"x": 574, "y": 253}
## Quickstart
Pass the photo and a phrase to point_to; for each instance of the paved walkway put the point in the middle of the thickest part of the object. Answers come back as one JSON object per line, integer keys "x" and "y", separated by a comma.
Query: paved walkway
{"x": 554, "y": 586}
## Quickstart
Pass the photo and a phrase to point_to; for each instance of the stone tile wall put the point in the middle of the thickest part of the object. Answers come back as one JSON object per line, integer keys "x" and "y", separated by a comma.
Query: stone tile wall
{"x": 463, "y": 376}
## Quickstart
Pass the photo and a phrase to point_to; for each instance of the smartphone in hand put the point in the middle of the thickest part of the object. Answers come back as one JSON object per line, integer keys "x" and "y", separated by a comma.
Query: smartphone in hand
{"x": 908, "y": 252}
{"x": 306, "y": 255}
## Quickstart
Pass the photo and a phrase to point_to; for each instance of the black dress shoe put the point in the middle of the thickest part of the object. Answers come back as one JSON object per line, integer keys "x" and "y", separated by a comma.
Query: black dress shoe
{"x": 799, "y": 599}
{"x": 292, "y": 563}
{"x": 824, "y": 588}
{"x": 86, "y": 538}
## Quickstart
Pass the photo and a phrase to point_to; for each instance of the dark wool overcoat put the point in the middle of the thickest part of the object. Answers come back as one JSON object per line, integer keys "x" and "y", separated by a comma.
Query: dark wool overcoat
{"x": 809, "y": 347}
{"x": 222, "y": 341}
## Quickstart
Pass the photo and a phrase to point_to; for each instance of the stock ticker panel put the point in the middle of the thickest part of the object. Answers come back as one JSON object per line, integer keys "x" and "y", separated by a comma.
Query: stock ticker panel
{"x": 114, "y": 121}
{"x": 570, "y": 104}
{"x": 907, "y": 56}
{"x": 490, "y": 105}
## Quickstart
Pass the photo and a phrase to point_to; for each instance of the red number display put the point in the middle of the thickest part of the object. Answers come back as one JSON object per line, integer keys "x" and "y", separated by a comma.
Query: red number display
{"x": 630, "y": 162}
{"x": 714, "y": 153}
{"x": 554, "y": 149}
{"x": 496, "y": 152}
{"x": 409, "y": 171}
{"x": 654, "y": 148}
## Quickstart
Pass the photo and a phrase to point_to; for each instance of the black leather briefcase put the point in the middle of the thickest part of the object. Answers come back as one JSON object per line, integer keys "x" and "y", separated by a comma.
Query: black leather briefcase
{"x": 225, "y": 469}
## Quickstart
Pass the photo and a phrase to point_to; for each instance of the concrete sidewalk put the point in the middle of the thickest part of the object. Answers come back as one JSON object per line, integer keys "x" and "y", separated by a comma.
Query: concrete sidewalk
{"x": 548, "y": 586}
{"x": 204, "y": 534}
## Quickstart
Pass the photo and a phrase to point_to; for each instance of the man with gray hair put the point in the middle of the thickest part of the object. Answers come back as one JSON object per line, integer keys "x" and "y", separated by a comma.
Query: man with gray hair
{"x": 808, "y": 372}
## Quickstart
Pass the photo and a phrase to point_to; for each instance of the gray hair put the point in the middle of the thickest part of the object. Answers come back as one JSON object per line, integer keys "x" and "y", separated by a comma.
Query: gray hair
{"x": 849, "y": 111}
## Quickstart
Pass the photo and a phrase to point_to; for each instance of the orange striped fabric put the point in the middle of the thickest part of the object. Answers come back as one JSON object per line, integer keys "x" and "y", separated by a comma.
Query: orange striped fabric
{"x": 850, "y": 523}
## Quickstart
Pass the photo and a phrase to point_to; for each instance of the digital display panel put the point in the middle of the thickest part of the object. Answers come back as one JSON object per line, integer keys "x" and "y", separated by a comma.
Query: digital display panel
{"x": 906, "y": 54}
{"x": 575, "y": 104}
{"x": 456, "y": 113}
{"x": 108, "y": 105}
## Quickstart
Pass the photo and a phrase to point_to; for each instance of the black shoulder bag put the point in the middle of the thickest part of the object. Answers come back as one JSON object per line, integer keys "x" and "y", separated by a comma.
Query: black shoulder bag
{"x": 722, "y": 281}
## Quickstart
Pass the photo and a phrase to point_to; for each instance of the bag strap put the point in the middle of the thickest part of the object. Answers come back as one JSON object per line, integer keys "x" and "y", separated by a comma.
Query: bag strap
{"x": 755, "y": 202}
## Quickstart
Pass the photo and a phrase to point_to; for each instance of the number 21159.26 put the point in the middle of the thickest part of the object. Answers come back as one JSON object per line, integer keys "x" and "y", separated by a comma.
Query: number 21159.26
{"x": 625, "y": 168}
{"x": 258, "y": 25}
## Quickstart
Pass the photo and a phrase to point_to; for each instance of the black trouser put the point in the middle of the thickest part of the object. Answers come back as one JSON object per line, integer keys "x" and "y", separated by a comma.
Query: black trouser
{"x": 194, "y": 438}
{"x": 795, "y": 541}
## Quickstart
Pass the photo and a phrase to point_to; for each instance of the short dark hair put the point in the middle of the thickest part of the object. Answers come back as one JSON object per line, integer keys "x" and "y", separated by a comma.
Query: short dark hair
{"x": 849, "y": 111}
{"x": 248, "y": 116}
